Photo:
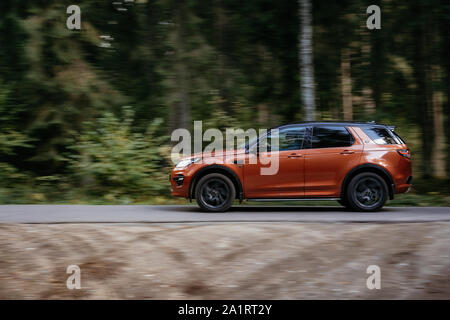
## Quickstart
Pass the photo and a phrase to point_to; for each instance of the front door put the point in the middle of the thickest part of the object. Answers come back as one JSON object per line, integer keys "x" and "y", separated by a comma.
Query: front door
{"x": 289, "y": 178}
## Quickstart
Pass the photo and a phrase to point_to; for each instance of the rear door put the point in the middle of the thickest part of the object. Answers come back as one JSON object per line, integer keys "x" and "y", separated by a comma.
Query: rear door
{"x": 333, "y": 151}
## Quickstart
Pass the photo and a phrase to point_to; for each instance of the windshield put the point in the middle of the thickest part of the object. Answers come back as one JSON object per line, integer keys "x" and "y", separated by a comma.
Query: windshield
{"x": 246, "y": 144}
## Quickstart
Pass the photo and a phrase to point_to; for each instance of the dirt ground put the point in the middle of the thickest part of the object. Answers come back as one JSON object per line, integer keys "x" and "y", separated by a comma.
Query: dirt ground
{"x": 225, "y": 261}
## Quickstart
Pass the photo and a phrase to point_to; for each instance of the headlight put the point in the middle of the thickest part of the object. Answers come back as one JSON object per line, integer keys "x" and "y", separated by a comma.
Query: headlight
{"x": 184, "y": 163}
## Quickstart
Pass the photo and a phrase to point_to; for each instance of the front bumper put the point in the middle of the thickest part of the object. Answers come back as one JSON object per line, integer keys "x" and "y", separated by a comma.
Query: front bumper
{"x": 180, "y": 181}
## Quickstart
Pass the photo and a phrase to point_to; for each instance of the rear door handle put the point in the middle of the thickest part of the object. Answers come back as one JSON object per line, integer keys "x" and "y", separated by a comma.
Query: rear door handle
{"x": 347, "y": 152}
{"x": 294, "y": 155}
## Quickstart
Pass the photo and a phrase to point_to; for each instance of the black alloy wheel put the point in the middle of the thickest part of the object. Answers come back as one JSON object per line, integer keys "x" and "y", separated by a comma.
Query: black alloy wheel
{"x": 367, "y": 192}
{"x": 215, "y": 193}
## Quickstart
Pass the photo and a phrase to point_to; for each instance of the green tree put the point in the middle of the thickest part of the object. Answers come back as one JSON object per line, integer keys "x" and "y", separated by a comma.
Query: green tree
{"x": 117, "y": 163}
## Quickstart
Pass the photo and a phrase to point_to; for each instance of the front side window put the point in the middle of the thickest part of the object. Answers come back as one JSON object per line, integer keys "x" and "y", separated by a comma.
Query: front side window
{"x": 380, "y": 135}
{"x": 289, "y": 139}
{"x": 331, "y": 137}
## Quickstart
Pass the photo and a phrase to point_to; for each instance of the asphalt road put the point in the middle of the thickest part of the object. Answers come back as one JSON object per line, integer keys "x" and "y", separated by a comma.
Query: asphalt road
{"x": 188, "y": 214}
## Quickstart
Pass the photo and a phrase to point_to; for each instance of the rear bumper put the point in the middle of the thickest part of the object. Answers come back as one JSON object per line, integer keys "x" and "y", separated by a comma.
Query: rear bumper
{"x": 409, "y": 180}
{"x": 404, "y": 186}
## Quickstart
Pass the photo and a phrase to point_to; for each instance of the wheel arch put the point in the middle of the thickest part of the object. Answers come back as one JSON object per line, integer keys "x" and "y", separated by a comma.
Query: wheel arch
{"x": 215, "y": 168}
{"x": 368, "y": 167}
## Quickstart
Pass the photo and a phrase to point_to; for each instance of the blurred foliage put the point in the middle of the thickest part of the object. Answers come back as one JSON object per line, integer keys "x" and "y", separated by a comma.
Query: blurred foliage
{"x": 66, "y": 137}
{"x": 113, "y": 162}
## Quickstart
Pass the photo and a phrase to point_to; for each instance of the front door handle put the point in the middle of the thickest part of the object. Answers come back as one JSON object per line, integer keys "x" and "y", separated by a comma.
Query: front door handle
{"x": 347, "y": 152}
{"x": 294, "y": 155}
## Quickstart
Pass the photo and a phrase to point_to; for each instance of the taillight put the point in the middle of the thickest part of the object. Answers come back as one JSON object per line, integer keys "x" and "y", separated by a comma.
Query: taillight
{"x": 405, "y": 153}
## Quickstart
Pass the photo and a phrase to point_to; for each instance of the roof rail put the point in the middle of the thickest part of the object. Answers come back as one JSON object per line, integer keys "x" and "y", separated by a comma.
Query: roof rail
{"x": 343, "y": 122}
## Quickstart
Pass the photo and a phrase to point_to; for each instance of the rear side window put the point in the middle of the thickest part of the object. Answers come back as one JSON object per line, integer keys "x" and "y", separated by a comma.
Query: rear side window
{"x": 381, "y": 135}
{"x": 331, "y": 137}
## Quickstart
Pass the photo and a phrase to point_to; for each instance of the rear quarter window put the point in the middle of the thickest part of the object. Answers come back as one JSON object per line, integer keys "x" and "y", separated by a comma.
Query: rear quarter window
{"x": 400, "y": 140}
{"x": 382, "y": 136}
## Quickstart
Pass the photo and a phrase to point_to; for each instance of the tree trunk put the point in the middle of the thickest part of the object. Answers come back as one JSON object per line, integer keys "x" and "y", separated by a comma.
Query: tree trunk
{"x": 181, "y": 70}
{"x": 219, "y": 39}
{"x": 444, "y": 50}
{"x": 263, "y": 115}
{"x": 377, "y": 66}
{"x": 438, "y": 155}
{"x": 423, "y": 92}
{"x": 367, "y": 91}
{"x": 306, "y": 60}
{"x": 346, "y": 85}
{"x": 369, "y": 103}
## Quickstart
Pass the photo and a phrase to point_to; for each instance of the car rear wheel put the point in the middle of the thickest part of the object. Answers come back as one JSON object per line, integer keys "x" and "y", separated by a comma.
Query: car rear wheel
{"x": 367, "y": 192}
{"x": 215, "y": 193}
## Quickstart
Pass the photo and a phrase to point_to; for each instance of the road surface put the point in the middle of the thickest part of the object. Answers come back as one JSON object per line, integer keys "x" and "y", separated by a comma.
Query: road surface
{"x": 191, "y": 214}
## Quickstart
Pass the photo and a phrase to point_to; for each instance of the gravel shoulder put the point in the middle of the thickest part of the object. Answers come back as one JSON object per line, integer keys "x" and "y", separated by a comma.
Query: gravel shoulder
{"x": 225, "y": 261}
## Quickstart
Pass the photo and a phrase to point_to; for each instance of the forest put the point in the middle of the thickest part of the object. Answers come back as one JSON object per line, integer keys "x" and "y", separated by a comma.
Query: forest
{"x": 86, "y": 115}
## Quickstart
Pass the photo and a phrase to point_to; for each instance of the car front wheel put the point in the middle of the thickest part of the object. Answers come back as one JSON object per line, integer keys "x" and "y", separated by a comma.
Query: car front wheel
{"x": 215, "y": 193}
{"x": 367, "y": 192}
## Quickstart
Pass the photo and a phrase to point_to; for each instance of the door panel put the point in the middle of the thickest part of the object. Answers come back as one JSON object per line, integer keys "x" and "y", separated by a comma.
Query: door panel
{"x": 289, "y": 180}
{"x": 326, "y": 167}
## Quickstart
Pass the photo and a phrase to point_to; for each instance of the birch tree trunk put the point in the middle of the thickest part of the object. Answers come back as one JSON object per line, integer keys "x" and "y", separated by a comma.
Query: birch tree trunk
{"x": 346, "y": 85}
{"x": 306, "y": 60}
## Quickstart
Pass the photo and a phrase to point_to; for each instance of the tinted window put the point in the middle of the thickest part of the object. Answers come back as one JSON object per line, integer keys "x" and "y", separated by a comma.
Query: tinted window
{"x": 381, "y": 135}
{"x": 289, "y": 139}
{"x": 331, "y": 137}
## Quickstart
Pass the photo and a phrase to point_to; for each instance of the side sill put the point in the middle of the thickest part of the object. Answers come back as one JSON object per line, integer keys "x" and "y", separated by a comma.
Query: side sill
{"x": 293, "y": 199}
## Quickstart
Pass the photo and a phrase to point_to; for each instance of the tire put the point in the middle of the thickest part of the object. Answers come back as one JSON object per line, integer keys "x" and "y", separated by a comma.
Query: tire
{"x": 215, "y": 193}
{"x": 367, "y": 192}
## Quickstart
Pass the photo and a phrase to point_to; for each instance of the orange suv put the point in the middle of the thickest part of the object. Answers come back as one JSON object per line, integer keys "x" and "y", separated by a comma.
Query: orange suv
{"x": 358, "y": 164}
